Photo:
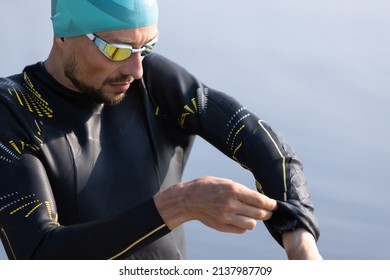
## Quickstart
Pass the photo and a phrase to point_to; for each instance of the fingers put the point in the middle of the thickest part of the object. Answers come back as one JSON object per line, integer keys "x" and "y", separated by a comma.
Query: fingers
{"x": 228, "y": 222}
{"x": 254, "y": 212}
{"x": 241, "y": 192}
{"x": 258, "y": 200}
{"x": 235, "y": 216}
{"x": 245, "y": 216}
{"x": 235, "y": 223}
{"x": 219, "y": 203}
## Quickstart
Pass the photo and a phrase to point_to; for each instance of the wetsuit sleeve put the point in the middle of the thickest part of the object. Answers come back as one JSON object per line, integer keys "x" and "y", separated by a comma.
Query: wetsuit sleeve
{"x": 29, "y": 227}
{"x": 239, "y": 134}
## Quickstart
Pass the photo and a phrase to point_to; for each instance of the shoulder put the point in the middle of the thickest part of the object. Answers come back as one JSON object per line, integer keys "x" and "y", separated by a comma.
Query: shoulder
{"x": 12, "y": 87}
{"x": 9, "y": 88}
{"x": 157, "y": 60}
{"x": 19, "y": 92}
{"x": 159, "y": 67}
{"x": 17, "y": 105}
{"x": 164, "y": 74}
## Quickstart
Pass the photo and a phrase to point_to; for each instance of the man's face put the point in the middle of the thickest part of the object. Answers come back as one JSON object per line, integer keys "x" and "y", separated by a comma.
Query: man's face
{"x": 90, "y": 72}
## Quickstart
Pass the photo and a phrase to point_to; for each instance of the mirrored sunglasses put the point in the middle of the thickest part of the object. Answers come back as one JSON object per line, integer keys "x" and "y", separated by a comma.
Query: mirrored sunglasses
{"x": 119, "y": 52}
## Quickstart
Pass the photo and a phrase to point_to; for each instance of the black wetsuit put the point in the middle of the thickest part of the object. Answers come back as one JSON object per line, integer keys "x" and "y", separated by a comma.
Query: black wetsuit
{"x": 77, "y": 178}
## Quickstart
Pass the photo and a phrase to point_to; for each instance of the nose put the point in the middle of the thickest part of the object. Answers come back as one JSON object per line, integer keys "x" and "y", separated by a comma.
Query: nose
{"x": 133, "y": 66}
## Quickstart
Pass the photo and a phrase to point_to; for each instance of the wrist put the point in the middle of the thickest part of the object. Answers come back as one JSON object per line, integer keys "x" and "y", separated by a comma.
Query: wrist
{"x": 171, "y": 206}
{"x": 299, "y": 244}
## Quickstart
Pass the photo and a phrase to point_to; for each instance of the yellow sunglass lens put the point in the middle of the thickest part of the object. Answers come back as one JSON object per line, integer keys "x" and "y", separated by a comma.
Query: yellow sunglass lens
{"x": 116, "y": 53}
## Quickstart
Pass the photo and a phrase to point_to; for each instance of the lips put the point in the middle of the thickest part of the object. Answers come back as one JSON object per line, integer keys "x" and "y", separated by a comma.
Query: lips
{"x": 122, "y": 86}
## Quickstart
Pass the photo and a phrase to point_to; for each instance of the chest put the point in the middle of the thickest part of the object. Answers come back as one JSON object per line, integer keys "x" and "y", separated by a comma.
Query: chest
{"x": 103, "y": 165}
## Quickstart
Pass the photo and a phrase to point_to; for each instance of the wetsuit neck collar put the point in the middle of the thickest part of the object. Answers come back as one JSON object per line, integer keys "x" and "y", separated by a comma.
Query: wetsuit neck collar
{"x": 56, "y": 88}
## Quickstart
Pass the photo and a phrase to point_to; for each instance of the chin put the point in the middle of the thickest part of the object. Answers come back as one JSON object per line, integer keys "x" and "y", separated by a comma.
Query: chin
{"x": 114, "y": 100}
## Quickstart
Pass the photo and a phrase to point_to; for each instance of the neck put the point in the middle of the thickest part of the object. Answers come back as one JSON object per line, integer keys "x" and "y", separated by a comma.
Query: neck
{"x": 55, "y": 66}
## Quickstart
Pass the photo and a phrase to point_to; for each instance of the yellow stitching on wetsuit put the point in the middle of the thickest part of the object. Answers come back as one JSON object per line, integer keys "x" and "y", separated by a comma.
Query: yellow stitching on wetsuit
{"x": 183, "y": 116}
{"x": 23, "y": 206}
{"x": 37, "y": 109}
{"x": 234, "y": 127}
{"x": 28, "y": 196}
{"x": 34, "y": 147}
{"x": 139, "y": 240}
{"x": 23, "y": 146}
{"x": 283, "y": 160}
{"x": 32, "y": 210}
{"x": 236, "y": 159}
{"x": 13, "y": 145}
{"x": 39, "y": 139}
{"x": 189, "y": 109}
{"x": 17, "y": 96}
{"x": 40, "y": 105}
{"x": 193, "y": 100}
{"x": 8, "y": 243}
{"x": 183, "y": 119}
{"x": 235, "y": 136}
{"x": 157, "y": 110}
{"x": 47, "y": 204}
{"x": 259, "y": 187}
{"x": 38, "y": 127}
{"x": 27, "y": 104}
{"x": 50, "y": 212}
{"x": 236, "y": 149}
{"x": 9, "y": 91}
{"x": 236, "y": 132}
{"x": 19, "y": 148}
{"x": 27, "y": 80}
{"x": 34, "y": 101}
{"x": 17, "y": 200}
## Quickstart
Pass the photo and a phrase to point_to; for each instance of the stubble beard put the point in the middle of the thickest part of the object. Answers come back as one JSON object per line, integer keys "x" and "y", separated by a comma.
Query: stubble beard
{"x": 95, "y": 94}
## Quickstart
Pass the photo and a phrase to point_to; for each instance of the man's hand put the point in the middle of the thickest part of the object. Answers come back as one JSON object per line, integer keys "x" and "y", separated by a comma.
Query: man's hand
{"x": 300, "y": 245}
{"x": 219, "y": 203}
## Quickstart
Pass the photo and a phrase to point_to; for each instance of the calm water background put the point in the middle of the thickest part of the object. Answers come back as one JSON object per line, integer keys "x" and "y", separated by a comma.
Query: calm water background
{"x": 318, "y": 71}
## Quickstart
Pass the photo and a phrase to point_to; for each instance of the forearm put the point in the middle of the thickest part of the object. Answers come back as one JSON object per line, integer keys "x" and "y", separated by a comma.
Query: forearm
{"x": 300, "y": 245}
{"x": 115, "y": 237}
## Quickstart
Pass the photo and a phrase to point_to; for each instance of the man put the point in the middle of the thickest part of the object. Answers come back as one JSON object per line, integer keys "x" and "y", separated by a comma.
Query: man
{"x": 97, "y": 137}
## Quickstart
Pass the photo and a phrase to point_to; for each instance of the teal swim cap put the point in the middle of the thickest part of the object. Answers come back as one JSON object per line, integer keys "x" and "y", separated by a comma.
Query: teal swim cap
{"x": 79, "y": 17}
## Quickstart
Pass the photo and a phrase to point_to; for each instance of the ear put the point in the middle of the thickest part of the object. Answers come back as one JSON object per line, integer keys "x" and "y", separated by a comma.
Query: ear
{"x": 60, "y": 42}
{"x": 59, "y": 39}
